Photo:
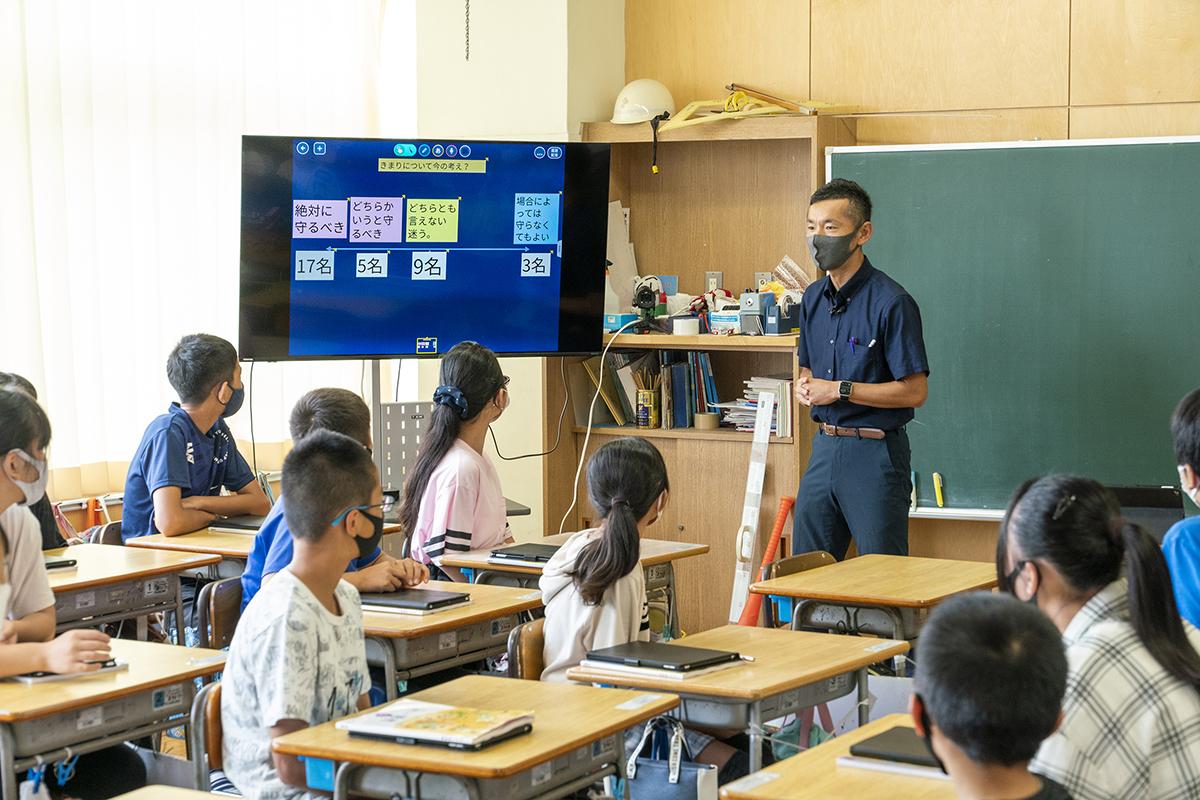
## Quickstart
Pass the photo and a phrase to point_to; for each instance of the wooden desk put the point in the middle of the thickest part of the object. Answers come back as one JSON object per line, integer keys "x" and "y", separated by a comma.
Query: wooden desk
{"x": 114, "y": 583}
{"x": 577, "y": 739}
{"x": 91, "y": 712}
{"x": 815, "y": 775}
{"x": 792, "y": 670}
{"x": 409, "y": 646}
{"x": 876, "y": 594}
{"x": 656, "y": 559}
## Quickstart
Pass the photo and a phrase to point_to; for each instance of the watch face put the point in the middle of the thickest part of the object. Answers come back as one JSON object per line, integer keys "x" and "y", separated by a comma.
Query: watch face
{"x": 844, "y": 388}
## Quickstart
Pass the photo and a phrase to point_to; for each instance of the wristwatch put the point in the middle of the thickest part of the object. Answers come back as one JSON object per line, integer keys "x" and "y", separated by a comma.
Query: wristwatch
{"x": 844, "y": 389}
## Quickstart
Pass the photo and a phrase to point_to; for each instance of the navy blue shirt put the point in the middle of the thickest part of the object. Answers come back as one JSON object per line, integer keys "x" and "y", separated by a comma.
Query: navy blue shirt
{"x": 272, "y": 551}
{"x": 174, "y": 452}
{"x": 876, "y": 339}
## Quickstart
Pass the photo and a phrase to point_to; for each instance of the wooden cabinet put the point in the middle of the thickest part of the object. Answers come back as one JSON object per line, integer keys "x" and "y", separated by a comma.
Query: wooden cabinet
{"x": 730, "y": 196}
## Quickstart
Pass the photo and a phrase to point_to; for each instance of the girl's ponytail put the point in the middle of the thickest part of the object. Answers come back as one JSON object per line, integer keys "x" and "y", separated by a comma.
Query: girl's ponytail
{"x": 626, "y": 478}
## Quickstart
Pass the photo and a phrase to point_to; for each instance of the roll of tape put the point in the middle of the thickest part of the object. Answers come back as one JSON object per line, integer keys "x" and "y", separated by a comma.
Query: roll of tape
{"x": 708, "y": 421}
{"x": 686, "y": 326}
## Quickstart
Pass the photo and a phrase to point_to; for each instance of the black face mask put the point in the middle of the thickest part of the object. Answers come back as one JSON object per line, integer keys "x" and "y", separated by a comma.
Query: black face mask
{"x": 367, "y": 546}
{"x": 1011, "y": 580}
{"x": 929, "y": 734}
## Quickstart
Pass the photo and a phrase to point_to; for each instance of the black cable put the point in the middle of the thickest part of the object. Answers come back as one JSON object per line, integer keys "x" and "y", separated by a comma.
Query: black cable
{"x": 563, "y": 413}
{"x": 250, "y": 405}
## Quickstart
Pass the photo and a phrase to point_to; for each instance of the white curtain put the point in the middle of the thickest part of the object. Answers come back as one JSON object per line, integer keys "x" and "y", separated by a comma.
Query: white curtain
{"x": 120, "y": 127}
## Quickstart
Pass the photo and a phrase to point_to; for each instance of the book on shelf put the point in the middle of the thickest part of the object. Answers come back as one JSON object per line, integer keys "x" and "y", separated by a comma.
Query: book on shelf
{"x": 741, "y": 413}
{"x": 608, "y": 388}
{"x": 409, "y": 721}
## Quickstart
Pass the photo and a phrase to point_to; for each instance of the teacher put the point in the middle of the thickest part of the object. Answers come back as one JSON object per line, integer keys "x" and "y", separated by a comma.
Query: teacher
{"x": 863, "y": 372}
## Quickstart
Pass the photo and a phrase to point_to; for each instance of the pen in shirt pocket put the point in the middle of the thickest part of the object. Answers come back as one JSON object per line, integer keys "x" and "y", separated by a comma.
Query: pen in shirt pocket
{"x": 854, "y": 340}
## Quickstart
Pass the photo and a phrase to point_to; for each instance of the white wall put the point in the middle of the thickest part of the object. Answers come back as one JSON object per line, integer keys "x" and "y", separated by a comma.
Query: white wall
{"x": 537, "y": 68}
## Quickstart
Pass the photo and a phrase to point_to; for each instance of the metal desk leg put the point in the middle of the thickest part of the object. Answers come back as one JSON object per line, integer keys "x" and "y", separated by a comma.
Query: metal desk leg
{"x": 621, "y": 762}
{"x": 389, "y": 667}
{"x": 756, "y": 735}
{"x": 864, "y": 694}
{"x": 8, "y": 750}
{"x": 341, "y": 781}
{"x": 180, "y": 636}
{"x": 672, "y": 602}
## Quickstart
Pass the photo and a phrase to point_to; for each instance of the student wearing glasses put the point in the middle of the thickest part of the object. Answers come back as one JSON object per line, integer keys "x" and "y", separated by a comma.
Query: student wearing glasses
{"x": 452, "y": 500}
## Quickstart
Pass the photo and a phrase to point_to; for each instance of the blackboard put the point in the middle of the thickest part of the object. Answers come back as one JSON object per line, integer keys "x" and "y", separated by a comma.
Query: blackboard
{"x": 1060, "y": 296}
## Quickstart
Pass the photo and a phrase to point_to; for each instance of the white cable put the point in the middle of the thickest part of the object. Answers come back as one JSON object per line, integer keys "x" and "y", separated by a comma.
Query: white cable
{"x": 587, "y": 436}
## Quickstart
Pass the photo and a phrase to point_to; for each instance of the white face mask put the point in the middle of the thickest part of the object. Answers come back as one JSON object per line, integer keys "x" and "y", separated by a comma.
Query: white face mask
{"x": 34, "y": 490}
{"x": 1194, "y": 494}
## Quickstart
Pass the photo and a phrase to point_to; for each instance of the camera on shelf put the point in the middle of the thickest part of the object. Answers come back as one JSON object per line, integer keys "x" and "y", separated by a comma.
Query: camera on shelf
{"x": 650, "y": 302}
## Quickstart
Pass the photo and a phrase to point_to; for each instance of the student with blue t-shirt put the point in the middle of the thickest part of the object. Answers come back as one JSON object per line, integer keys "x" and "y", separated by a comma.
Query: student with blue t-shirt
{"x": 344, "y": 412}
{"x": 1181, "y": 545}
{"x": 187, "y": 456}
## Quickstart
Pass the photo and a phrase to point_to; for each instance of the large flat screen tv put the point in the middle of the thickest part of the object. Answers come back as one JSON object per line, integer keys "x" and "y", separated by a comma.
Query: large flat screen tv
{"x": 373, "y": 248}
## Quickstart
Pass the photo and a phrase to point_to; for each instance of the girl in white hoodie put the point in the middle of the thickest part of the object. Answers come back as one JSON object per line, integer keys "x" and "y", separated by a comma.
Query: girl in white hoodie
{"x": 593, "y": 587}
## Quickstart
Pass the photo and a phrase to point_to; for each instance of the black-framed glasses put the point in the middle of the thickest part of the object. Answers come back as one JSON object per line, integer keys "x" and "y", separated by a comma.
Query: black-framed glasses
{"x": 387, "y": 505}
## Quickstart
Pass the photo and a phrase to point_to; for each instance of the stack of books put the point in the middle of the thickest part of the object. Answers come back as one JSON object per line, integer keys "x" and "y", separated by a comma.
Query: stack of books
{"x": 411, "y": 721}
{"x": 740, "y": 414}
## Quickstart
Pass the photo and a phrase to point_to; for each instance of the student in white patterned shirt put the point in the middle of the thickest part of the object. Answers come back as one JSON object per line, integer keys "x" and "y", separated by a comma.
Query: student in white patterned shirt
{"x": 298, "y": 657}
{"x": 1131, "y": 714}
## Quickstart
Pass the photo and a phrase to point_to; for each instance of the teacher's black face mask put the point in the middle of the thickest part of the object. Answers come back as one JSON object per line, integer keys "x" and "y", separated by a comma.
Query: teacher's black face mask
{"x": 830, "y": 252}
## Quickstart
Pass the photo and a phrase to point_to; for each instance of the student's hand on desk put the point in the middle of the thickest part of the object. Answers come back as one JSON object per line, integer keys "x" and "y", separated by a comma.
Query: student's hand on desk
{"x": 816, "y": 392}
{"x": 379, "y": 577}
{"x": 8, "y": 632}
{"x": 73, "y": 651}
{"x": 410, "y": 572}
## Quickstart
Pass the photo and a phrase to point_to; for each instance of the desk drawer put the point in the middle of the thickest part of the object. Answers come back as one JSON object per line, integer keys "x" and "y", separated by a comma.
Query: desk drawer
{"x": 447, "y": 644}
{"x": 84, "y": 724}
{"x": 116, "y": 597}
{"x": 381, "y": 782}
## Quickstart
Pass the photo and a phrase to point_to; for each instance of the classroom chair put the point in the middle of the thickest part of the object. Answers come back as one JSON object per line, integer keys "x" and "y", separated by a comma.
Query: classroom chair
{"x": 204, "y": 734}
{"x": 525, "y": 659}
{"x": 789, "y": 566}
{"x": 109, "y": 533}
{"x": 220, "y": 608}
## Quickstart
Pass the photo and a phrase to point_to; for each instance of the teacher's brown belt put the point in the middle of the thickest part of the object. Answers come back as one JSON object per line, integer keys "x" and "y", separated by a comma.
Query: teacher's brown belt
{"x": 861, "y": 433}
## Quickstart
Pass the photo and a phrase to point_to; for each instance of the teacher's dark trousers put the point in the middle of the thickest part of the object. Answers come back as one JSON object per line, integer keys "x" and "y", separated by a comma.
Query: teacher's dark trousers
{"x": 856, "y": 488}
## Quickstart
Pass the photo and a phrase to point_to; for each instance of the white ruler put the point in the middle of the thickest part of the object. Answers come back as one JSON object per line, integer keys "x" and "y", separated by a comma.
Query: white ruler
{"x": 748, "y": 531}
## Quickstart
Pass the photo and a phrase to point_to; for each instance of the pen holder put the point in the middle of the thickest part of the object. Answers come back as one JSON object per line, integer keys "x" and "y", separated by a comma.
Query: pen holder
{"x": 649, "y": 408}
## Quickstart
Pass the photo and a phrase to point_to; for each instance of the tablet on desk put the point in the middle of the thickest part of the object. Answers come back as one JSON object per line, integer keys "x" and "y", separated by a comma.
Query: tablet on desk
{"x": 246, "y": 523}
{"x": 59, "y": 564}
{"x": 525, "y": 553}
{"x": 900, "y": 743}
{"x": 30, "y": 678}
{"x": 659, "y": 655}
{"x": 414, "y": 601}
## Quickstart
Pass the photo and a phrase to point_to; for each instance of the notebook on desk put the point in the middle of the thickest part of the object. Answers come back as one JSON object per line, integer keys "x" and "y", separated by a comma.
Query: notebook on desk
{"x": 415, "y": 722}
{"x": 413, "y": 601}
{"x": 246, "y": 523}
{"x": 525, "y": 553}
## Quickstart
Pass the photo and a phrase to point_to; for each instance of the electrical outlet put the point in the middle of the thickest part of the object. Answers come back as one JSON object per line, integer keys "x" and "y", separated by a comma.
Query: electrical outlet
{"x": 761, "y": 278}
{"x": 712, "y": 280}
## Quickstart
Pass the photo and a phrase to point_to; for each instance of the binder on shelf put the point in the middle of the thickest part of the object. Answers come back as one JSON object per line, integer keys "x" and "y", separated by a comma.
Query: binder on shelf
{"x": 679, "y": 394}
{"x": 608, "y": 388}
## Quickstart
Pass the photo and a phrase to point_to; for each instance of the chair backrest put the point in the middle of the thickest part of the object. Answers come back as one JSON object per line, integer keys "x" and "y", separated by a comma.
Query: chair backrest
{"x": 109, "y": 533}
{"x": 790, "y": 566}
{"x": 525, "y": 659}
{"x": 220, "y": 606}
{"x": 205, "y": 734}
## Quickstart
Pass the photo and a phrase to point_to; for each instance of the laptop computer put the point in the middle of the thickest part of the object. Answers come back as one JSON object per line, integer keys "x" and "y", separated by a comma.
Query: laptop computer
{"x": 900, "y": 743}
{"x": 659, "y": 655}
{"x": 526, "y": 553}
{"x": 413, "y": 601}
{"x": 246, "y": 523}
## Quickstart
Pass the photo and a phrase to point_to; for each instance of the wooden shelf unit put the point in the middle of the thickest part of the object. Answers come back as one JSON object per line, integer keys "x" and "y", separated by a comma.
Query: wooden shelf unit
{"x": 730, "y": 196}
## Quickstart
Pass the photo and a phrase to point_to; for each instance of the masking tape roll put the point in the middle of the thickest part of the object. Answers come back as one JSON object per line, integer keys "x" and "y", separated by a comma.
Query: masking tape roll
{"x": 686, "y": 326}
{"x": 707, "y": 421}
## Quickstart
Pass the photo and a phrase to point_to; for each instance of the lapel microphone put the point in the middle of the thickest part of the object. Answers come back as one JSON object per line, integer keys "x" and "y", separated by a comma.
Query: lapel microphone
{"x": 838, "y": 307}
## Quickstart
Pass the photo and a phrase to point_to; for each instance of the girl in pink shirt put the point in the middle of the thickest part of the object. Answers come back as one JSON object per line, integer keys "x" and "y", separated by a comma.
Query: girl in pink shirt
{"x": 452, "y": 500}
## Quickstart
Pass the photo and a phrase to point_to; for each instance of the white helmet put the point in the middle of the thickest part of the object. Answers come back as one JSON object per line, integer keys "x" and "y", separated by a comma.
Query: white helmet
{"x": 641, "y": 101}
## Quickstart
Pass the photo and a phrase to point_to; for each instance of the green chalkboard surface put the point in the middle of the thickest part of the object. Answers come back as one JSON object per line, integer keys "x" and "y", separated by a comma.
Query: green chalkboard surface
{"x": 1060, "y": 294}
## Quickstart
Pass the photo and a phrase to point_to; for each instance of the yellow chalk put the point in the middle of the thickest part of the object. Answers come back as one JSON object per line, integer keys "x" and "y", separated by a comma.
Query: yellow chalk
{"x": 937, "y": 487}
